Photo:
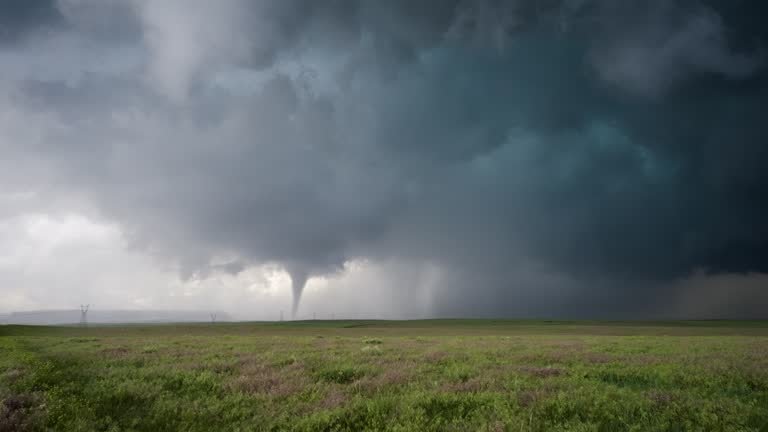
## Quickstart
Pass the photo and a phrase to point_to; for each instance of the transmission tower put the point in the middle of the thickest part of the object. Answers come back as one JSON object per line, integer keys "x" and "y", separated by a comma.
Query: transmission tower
{"x": 213, "y": 318}
{"x": 84, "y": 315}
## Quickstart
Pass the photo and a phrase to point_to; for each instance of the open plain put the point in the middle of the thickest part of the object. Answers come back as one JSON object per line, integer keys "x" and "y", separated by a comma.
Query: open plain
{"x": 433, "y": 375}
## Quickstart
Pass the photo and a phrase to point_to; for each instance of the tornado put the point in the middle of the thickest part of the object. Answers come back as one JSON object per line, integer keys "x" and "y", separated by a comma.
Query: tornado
{"x": 298, "y": 281}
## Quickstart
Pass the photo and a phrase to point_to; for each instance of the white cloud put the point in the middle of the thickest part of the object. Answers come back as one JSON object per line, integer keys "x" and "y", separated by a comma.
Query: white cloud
{"x": 62, "y": 261}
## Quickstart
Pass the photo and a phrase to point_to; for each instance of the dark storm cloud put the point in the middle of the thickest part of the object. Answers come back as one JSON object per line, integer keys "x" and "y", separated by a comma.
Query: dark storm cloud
{"x": 557, "y": 157}
{"x": 19, "y": 18}
{"x": 655, "y": 45}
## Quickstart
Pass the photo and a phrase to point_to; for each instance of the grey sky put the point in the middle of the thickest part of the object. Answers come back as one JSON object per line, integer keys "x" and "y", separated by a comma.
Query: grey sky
{"x": 574, "y": 158}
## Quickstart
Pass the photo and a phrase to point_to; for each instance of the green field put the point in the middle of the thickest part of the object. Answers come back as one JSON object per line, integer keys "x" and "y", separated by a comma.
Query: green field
{"x": 434, "y": 375}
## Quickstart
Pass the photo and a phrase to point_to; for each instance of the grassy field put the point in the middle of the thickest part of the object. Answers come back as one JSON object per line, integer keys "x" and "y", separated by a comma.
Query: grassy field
{"x": 436, "y": 375}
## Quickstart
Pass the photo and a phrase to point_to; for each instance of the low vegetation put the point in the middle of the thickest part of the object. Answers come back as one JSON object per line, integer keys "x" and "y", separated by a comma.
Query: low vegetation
{"x": 356, "y": 376}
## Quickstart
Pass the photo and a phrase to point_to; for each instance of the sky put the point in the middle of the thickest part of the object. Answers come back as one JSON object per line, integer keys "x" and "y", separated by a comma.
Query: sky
{"x": 398, "y": 159}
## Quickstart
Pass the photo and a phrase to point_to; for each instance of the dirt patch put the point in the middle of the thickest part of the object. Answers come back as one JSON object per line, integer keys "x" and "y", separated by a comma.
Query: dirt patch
{"x": 18, "y": 413}
{"x": 568, "y": 345}
{"x": 543, "y": 372}
{"x": 529, "y": 398}
{"x": 116, "y": 352}
{"x": 333, "y": 399}
{"x": 436, "y": 356}
{"x": 267, "y": 380}
{"x": 645, "y": 359}
{"x": 394, "y": 377}
{"x": 14, "y": 375}
{"x": 472, "y": 385}
{"x": 497, "y": 426}
{"x": 597, "y": 358}
{"x": 388, "y": 378}
{"x": 660, "y": 399}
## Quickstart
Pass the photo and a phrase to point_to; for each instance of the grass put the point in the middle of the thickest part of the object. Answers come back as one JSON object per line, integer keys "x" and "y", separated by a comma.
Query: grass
{"x": 434, "y": 375}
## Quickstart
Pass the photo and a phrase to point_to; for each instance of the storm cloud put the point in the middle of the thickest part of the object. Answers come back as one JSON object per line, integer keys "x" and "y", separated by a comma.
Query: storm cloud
{"x": 579, "y": 158}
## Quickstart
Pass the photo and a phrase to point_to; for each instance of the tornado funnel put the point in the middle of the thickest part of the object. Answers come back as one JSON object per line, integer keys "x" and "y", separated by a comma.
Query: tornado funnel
{"x": 298, "y": 281}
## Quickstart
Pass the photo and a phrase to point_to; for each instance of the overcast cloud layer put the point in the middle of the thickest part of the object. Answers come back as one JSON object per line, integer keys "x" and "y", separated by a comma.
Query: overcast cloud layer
{"x": 564, "y": 158}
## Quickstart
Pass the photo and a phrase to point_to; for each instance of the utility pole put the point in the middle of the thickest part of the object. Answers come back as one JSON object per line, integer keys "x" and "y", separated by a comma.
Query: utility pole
{"x": 84, "y": 315}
